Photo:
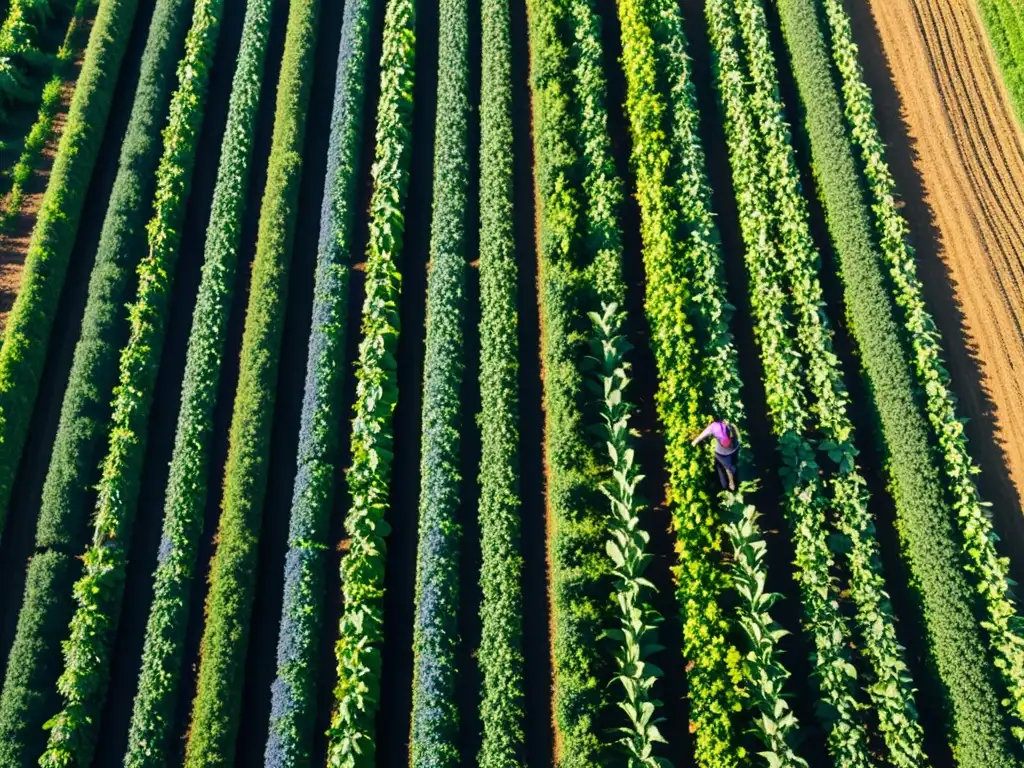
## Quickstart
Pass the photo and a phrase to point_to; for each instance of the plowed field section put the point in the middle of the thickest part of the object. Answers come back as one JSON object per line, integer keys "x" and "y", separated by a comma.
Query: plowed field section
{"x": 969, "y": 157}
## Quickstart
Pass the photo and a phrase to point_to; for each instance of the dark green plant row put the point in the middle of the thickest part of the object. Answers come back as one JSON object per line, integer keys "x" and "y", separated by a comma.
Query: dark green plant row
{"x": 216, "y": 711}
{"x": 62, "y": 530}
{"x": 1004, "y": 22}
{"x": 27, "y": 334}
{"x": 188, "y": 479}
{"x": 360, "y": 632}
{"x": 924, "y": 518}
{"x": 805, "y": 501}
{"x": 685, "y": 291}
{"x": 99, "y": 592}
{"x": 435, "y": 714}
{"x": 41, "y": 132}
{"x": 979, "y": 552}
{"x": 500, "y": 657}
{"x": 889, "y": 686}
{"x": 293, "y": 704}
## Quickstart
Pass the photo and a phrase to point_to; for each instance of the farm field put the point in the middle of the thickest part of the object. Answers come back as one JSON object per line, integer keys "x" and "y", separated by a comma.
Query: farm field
{"x": 370, "y": 370}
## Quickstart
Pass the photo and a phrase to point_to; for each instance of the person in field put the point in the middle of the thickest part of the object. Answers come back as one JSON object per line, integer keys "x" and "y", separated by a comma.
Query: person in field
{"x": 727, "y": 447}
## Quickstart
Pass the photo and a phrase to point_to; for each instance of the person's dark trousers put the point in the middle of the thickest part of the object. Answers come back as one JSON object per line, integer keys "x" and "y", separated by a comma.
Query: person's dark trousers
{"x": 726, "y": 466}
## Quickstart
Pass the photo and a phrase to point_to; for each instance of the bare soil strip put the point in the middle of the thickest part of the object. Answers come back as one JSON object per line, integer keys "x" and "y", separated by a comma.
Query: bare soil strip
{"x": 969, "y": 156}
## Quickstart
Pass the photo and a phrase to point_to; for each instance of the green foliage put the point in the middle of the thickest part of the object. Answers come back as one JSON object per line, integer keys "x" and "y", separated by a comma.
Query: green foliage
{"x": 153, "y": 710}
{"x": 360, "y": 631}
{"x": 68, "y": 492}
{"x": 20, "y": 54}
{"x": 501, "y": 609}
{"x": 697, "y": 365}
{"x": 979, "y": 553}
{"x": 435, "y": 715}
{"x": 293, "y": 703}
{"x": 99, "y": 592}
{"x": 1004, "y": 22}
{"x": 217, "y": 706}
{"x": 27, "y": 334}
{"x": 634, "y": 639}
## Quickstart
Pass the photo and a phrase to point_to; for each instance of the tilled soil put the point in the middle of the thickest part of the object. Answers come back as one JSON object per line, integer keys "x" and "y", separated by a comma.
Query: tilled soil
{"x": 948, "y": 108}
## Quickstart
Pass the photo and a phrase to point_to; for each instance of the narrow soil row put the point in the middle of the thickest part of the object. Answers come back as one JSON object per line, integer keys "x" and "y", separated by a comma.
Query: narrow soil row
{"x": 195, "y": 238}
{"x": 537, "y": 627}
{"x": 328, "y": 675}
{"x": 650, "y": 448}
{"x": 393, "y": 720}
{"x": 760, "y": 443}
{"x": 958, "y": 159}
{"x": 261, "y": 662}
{"x": 163, "y": 419}
{"x": 19, "y": 536}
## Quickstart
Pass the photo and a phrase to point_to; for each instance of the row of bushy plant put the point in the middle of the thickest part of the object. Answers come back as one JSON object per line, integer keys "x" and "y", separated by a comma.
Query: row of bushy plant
{"x": 923, "y": 517}
{"x": 41, "y": 132}
{"x": 685, "y": 291}
{"x": 890, "y": 690}
{"x": 980, "y": 555}
{"x": 435, "y": 713}
{"x": 360, "y": 630}
{"x": 99, "y": 593}
{"x": 500, "y": 656}
{"x": 187, "y": 486}
{"x": 22, "y": 54}
{"x": 294, "y": 691}
{"x": 27, "y": 335}
{"x": 217, "y": 707}
{"x": 1004, "y": 23}
{"x": 62, "y": 529}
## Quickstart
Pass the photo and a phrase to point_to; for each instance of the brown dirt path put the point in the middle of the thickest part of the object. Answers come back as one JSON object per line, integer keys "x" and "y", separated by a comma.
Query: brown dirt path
{"x": 969, "y": 157}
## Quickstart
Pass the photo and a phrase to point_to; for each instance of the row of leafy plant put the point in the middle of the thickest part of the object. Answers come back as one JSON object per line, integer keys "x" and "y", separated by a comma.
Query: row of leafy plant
{"x": 923, "y": 518}
{"x": 23, "y": 54}
{"x": 216, "y": 711}
{"x": 294, "y": 691}
{"x": 1004, "y": 23}
{"x": 99, "y": 592}
{"x": 360, "y": 631}
{"x": 500, "y": 656}
{"x": 188, "y": 479}
{"x": 27, "y": 334}
{"x": 979, "y": 552}
{"x": 62, "y": 528}
{"x": 435, "y": 714}
{"x": 686, "y": 308}
{"x": 889, "y": 687}
{"x": 41, "y": 132}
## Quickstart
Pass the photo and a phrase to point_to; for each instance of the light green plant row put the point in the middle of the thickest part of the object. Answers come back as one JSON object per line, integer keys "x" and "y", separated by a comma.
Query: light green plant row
{"x": 99, "y": 593}
{"x": 27, "y": 335}
{"x": 979, "y": 549}
{"x": 360, "y": 632}
{"x": 686, "y": 285}
{"x": 787, "y": 398}
{"x": 1004, "y": 22}
{"x": 153, "y": 711}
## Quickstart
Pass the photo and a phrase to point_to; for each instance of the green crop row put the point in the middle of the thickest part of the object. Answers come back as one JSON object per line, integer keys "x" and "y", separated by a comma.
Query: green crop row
{"x": 293, "y": 707}
{"x": 502, "y": 700}
{"x": 27, "y": 334}
{"x": 20, "y": 54}
{"x": 890, "y": 690}
{"x": 954, "y": 461}
{"x": 1004, "y": 22}
{"x": 216, "y": 710}
{"x": 160, "y": 673}
{"x": 41, "y": 131}
{"x": 683, "y": 274}
{"x": 435, "y": 714}
{"x": 62, "y": 530}
{"x": 360, "y": 631}
{"x": 93, "y": 628}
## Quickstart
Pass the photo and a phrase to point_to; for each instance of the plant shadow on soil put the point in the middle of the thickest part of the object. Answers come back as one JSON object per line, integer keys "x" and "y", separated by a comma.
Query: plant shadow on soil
{"x": 18, "y": 542}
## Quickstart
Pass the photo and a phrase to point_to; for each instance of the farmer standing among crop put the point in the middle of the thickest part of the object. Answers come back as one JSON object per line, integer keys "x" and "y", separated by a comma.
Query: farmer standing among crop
{"x": 727, "y": 447}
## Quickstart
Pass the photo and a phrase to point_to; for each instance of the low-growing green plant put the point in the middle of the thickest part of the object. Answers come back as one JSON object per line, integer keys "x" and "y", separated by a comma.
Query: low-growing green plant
{"x": 360, "y": 631}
